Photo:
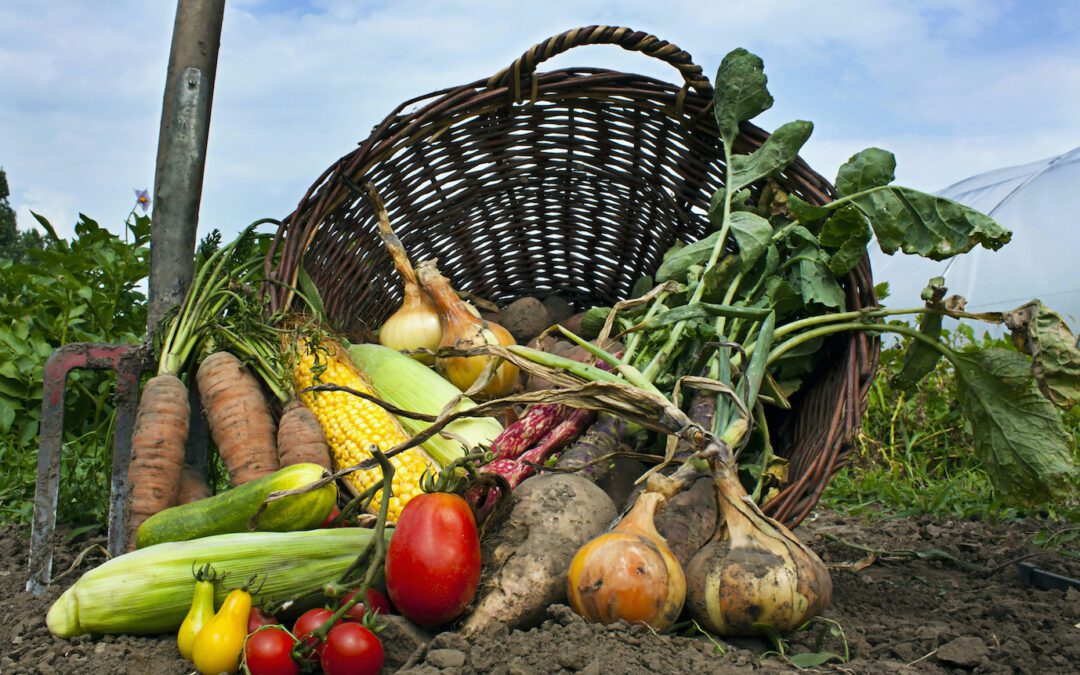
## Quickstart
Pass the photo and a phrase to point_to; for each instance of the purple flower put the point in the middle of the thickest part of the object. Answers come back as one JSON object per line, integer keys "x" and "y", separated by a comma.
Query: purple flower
{"x": 142, "y": 200}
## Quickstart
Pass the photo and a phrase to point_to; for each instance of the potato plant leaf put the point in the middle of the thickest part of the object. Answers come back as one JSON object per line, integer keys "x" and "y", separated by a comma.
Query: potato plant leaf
{"x": 1042, "y": 334}
{"x": 1018, "y": 433}
{"x": 869, "y": 168}
{"x": 740, "y": 92}
{"x": 847, "y": 232}
{"x": 779, "y": 149}
{"x": 915, "y": 222}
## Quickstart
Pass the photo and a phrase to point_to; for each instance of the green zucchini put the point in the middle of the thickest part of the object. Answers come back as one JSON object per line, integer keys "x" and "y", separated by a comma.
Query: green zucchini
{"x": 231, "y": 510}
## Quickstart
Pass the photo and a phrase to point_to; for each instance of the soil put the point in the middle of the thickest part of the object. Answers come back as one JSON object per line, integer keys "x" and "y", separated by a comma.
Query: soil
{"x": 947, "y": 601}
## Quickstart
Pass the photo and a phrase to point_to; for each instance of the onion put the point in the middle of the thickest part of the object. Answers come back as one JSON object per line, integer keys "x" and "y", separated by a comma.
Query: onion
{"x": 415, "y": 325}
{"x": 755, "y": 573}
{"x": 461, "y": 329}
{"x": 628, "y": 574}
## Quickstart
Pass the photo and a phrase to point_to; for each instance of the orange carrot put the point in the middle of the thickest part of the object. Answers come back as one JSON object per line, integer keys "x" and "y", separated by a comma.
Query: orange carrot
{"x": 157, "y": 450}
{"x": 239, "y": 417}
{"x": 193, "y": 487}
{"x": 300, "y": 437}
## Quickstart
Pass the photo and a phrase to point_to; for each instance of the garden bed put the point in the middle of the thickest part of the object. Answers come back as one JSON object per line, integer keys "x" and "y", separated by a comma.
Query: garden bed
{"x": 919, "y": 614}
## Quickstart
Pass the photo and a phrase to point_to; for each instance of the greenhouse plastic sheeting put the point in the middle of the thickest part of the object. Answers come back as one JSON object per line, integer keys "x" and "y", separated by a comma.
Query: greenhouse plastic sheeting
{"x": 1038, "y": 203}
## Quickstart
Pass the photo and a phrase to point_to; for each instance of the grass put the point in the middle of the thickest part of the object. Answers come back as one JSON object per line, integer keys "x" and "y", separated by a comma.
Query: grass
{"x": 914, "y": 455}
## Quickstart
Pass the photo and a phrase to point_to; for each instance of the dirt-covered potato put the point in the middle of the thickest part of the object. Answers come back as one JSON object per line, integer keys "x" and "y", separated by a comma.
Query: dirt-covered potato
{"x": 525, "y": 318}
{"x": 527, "y": 555}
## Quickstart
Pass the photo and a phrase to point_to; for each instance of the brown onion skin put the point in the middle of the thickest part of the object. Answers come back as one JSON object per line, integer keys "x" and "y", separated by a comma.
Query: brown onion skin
{"x": 628, "y": 574}
{"x": 755, "y": 574}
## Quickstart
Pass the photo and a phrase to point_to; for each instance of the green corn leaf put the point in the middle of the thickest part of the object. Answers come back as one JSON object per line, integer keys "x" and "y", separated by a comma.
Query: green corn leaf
{"x": 1042, "y": 334}
{"x": 778, "y": 151}
{"x": 1018, "y": 433}
{"x": 869, "y": 168}
{"x": 740, "y": 92}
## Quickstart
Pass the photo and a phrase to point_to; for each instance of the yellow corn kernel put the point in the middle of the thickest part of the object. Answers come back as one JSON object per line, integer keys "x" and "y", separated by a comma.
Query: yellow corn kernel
{"x": 353, "y": 424}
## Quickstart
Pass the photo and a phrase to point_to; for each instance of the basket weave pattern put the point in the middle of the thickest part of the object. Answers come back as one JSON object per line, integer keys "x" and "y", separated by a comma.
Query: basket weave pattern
{"x": 572, "y": 182}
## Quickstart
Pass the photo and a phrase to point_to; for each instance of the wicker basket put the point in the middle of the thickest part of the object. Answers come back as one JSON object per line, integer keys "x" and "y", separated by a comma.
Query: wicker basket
{"x": 571, "y": 182}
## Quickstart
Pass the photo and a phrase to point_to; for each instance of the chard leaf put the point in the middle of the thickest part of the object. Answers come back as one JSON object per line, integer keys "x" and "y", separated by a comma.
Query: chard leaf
{"x": 814, "y": 281}
{"x": 1018, "y": 433}
{"x": 740, "y": 93}
{"x": 915, "y": 222}
{"x": 678, "y": 260}
{"x": 1041, "y": 333}
{"x": 869, "y": 168}
{"x": 753, "y": 234}
{"x": 778, "y": 150}
{"x": 920, "y": 358}
{"x": 846, "y": 231}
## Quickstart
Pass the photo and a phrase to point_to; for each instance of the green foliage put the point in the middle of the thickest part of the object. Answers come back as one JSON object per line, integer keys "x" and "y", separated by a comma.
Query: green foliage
{"x": 82, "y": 290}
{"x": 916, "y": 453}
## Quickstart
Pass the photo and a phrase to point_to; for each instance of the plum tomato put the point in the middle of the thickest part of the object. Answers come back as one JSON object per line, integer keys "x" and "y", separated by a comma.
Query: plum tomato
{"x": 256, "y": 618}
{"x": 433, "y": 560}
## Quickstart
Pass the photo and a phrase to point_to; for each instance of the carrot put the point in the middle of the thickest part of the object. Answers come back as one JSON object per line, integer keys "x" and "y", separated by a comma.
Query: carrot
{"x": 157, "y": 450}
{"x": 300, "y": 437}
{"x": 239, "y": 417}
{"x": 161, "y": 424}
{"x": 193, "y": 487}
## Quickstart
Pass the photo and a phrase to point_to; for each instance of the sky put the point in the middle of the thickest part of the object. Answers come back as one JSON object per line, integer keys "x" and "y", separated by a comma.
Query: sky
{"x": 953, "y": 87}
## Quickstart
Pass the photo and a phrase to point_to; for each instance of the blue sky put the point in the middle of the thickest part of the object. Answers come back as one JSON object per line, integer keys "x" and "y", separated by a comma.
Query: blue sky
{"x": 953, "y": 87}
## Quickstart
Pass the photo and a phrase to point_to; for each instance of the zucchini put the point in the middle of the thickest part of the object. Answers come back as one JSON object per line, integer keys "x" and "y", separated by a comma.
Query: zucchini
{"x": 231, "y": 510}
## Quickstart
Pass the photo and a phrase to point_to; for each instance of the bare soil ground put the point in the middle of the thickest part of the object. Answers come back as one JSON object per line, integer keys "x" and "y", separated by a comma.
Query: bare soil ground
{"x": 914, "y": 612}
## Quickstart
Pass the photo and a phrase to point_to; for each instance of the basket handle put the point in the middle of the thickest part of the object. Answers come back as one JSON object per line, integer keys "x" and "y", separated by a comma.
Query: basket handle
{"x": 627, "y": 38}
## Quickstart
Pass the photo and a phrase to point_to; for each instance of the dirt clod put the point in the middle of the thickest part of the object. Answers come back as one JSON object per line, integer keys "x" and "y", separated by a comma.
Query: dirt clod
{"x": 965, "y": 652}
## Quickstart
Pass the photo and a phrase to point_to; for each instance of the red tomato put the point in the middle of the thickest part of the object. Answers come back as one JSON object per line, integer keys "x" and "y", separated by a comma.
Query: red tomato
{"x": 269, "y": 652}
{"x": 433, "y": 561}
{"x": 333, "y": 514}
{"x": 374, "y": 600}
{"x": 310, "y": 621}
{"x": 256, "y": 618}
{"x": 352, "y": 649}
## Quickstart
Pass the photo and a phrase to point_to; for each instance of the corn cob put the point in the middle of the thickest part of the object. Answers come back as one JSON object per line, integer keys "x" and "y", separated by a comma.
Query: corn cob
{"x": 353, "y": 424}
{"x": 149, "y": 590}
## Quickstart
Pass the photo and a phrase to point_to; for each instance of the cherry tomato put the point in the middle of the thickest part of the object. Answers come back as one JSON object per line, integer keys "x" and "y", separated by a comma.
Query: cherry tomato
{"x": 352, "y": 649}
{"x": 330, "y": 518}
{"x": 374, "y": 600}
{"x": 308, "y": 622}
{"x": 257, "y": 618}
{"x": 269, "y": 652}
{"x": 433, "y": 561}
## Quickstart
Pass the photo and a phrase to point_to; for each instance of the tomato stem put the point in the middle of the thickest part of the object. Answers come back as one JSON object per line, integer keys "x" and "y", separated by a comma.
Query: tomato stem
{"x": 374, "y": 554}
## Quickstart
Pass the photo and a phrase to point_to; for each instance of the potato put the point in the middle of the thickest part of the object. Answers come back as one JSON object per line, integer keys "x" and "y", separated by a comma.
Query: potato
{"x": 527, "y": 555}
